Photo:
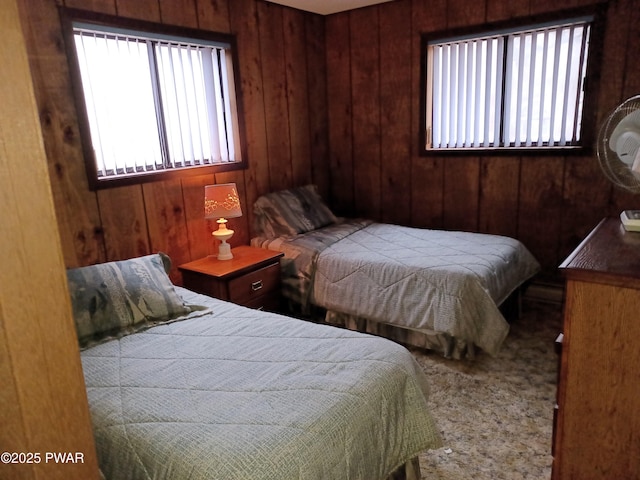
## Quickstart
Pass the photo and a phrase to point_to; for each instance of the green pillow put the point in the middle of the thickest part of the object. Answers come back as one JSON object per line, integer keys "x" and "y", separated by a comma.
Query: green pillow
{"x": 117, "y": 298}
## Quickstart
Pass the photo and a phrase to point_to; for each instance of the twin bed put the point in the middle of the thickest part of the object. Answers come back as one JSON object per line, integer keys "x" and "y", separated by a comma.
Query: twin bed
{"x": 183, "y": 386}
{"x": 436, "y": 289}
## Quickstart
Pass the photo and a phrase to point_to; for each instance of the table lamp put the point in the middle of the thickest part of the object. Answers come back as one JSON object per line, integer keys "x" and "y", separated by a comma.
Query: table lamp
{"x": 221, "y": 202}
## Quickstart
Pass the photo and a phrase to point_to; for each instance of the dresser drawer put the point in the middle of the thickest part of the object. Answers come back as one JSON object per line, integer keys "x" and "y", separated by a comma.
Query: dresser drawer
{"x": 249, "y": 287}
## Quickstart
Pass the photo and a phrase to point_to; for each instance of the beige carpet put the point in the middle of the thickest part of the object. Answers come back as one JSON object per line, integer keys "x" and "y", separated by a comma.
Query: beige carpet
{"x": 495, "y": 414}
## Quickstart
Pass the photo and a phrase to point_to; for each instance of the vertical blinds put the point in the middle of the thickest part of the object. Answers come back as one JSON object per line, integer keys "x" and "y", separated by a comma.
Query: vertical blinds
{"x": 509, "y": 89}
{"x": 155, "y": 104}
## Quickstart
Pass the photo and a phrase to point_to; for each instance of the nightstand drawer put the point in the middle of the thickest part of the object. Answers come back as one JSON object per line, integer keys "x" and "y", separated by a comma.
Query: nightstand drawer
{"x": 265, "y": 281}
{"x": 268, "y": 303}
{"x": 204, "y": 284}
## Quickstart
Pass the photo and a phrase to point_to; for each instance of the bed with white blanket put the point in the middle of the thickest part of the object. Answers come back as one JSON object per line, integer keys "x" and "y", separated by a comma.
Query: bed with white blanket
{"x": 183, "y": 386}
{"x": 441, "y": 288}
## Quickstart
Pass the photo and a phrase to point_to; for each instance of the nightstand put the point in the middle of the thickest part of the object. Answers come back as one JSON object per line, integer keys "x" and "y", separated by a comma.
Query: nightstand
{"x": 251, "y": 278}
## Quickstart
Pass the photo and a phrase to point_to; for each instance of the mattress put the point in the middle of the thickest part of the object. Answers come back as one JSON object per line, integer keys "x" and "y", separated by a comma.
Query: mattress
{"x": 243, "y": 394}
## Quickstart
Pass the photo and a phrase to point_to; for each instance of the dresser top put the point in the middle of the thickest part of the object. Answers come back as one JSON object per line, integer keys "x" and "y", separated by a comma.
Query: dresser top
{"x": 609, "y": 254}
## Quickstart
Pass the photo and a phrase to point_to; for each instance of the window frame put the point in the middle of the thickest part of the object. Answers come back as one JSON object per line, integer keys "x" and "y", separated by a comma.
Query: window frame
{"x": 68, "y": 17}
{"x": 591, "y": 83}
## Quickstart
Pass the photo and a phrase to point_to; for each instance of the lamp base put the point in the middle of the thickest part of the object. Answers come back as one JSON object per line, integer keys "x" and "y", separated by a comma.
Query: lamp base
{"x": 223, "y": 234}
{"x": 224, "y": 251}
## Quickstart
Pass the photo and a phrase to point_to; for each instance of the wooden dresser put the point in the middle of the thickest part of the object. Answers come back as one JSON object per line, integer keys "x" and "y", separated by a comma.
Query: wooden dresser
{"x": 597, "y": 424}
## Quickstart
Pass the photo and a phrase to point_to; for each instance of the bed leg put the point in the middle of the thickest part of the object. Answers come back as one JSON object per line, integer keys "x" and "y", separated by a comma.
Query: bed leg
{"x": 511, "y": 308}
{"x": 408, "y": 471}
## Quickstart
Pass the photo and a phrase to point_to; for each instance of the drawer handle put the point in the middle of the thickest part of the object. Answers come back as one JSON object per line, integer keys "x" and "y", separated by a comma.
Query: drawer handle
{"x": 255, "y": 286}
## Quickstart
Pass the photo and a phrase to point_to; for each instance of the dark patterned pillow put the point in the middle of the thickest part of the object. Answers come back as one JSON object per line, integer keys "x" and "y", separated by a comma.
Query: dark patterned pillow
{"x": 117, "y": 298}
{"x": 290, "y": 212}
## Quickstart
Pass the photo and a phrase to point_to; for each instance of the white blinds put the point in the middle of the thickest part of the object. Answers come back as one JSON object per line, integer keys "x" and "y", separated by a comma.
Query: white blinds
{"x": 117, "y": 89}
{"x": 155, "y": 104}
{"x": 466, "y": 94}
{"x": 515, "y": 89}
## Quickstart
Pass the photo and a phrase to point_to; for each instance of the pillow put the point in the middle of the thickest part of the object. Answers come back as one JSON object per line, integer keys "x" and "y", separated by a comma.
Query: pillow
{"x": 116, "y": 298}
{"x": 290, "y": 212}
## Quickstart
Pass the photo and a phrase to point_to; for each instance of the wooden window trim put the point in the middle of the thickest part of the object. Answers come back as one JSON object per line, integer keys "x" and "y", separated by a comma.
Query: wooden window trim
{"x": 69, "y": 15}
{"x": 592, "y": 82}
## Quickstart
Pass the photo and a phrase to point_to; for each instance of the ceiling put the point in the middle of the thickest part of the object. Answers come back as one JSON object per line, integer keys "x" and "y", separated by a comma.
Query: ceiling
{"x": 327, "y": 7}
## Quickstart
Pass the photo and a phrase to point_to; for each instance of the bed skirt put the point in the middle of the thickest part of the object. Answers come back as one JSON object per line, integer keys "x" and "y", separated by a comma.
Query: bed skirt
{"x": 439, "y": 342}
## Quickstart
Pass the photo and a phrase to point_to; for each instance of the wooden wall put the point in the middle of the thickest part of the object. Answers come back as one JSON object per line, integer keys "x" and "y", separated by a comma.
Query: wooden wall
{"x": 373, "y": 76}
{"x": 282, "y": 70}
{"x": 331, "y": 100}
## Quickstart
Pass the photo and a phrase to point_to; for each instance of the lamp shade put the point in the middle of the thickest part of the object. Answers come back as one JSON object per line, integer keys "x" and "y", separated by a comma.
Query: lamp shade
{"x": 221, "y": 201}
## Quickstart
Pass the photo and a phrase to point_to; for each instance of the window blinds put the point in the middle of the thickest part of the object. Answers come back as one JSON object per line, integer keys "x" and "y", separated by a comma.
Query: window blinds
{"x": 156, "y": 104}
{"x": 508, "y": 89}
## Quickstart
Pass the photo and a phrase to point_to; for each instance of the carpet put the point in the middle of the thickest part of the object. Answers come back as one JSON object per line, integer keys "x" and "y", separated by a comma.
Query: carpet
{"x": 496, "y": 414}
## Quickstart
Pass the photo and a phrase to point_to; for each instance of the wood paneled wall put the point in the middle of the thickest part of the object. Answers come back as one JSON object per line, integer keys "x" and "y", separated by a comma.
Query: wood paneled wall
{"x": 373, "y": 80}
{"x": 331, "y": 100}
{"x": 282, "y": 73}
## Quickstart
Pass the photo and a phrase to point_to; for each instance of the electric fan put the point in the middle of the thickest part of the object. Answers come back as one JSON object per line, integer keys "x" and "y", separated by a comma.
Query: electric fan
{"x": 619, "y": 153}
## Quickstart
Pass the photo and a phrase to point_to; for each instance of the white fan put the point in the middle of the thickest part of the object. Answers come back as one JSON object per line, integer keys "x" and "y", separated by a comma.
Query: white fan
{"x": 619, "y": 153}
{"x": 619, "y": 145}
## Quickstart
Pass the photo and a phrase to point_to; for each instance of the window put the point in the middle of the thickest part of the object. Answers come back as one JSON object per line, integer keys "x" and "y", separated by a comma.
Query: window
{"x": 154, "y": 100}
{"x": 509, "y": 88}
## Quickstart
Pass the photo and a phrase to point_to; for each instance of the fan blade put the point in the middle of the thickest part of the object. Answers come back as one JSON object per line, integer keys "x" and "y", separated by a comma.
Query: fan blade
{"x": 627, "y": 147}
{"x": 635, "y": 168}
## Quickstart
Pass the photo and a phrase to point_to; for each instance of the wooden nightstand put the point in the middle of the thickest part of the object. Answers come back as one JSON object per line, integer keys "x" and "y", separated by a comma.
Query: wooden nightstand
{"x": 251, "y": 278}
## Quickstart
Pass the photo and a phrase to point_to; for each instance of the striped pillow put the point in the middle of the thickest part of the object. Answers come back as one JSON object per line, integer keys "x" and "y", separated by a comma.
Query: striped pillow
{"x": 291, "y": 212}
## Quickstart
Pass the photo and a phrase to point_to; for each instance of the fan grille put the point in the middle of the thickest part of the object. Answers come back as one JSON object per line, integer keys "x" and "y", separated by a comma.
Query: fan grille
{"x": 615, "y": 169}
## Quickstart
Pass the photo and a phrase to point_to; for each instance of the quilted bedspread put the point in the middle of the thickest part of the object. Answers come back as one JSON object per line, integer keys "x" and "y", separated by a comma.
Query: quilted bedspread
{"x": 244, "y": 394}
{"x": 433, "y": 281}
